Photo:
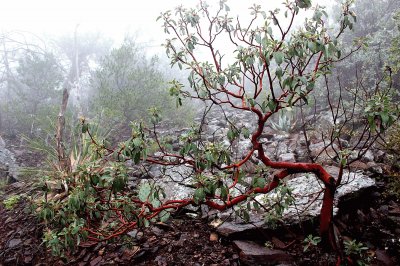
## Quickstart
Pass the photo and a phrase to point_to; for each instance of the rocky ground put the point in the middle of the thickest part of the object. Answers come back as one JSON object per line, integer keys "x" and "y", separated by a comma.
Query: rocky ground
{"x": 373, "y": 220}
{"x": 367, "y": 219}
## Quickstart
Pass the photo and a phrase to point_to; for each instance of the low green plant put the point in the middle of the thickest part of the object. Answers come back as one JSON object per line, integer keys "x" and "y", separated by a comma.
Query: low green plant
{"x": 311, "y": 241}
{"x": 3, "y": 184}
{"x": 269, "y": 245}
{"x": 92, "y": 202}
{"x": 285, "y": 123}
{"x": 11, "y": 201}
{"x": 277, "y": 205}
{"x": 356, "y": 251}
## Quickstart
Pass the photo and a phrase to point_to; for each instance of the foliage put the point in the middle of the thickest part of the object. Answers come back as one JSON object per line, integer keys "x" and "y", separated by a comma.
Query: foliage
{"x": 285, "y": 122}
{"x": 95, "y": 194}
{"x": 277, "y": 203}
{"x": 380, "y": 112}
{"x": 11, "y": 201}
{"x": 126, "y": 84}
{"x": 311, "y": 241}
{"x": 356, "y": 252}
{"x": 34, "y": 91}
{"x": 376, "y": 28}
{"x": 394, "y": 48}
{"x": 392, "y": 146}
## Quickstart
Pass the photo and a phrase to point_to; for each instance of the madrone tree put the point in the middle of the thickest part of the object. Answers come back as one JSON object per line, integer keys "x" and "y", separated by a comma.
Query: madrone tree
{"x": 262, "y": 67}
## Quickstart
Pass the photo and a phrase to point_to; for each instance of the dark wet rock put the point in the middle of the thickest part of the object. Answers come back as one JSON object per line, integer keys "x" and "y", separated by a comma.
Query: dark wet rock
{"x": 359, "y": 165}
{"x": 380, "y": 156}
{"x": 278, "y": 243}
{"x": 161, "y": 261}
{"x": 96, "y": 261}
{"x": 322, "y": 153}
{"x": 384, "y": 209}
{"x": 14, "y": 242}
{"x": 235, "y": 230}
{"x": 252, "y": 253}
{"x": 368, "y": 157}
{"x": 375, "y": 168}
{"x": 183, "y": 239}
{"x": 363, "y": 218}
{"x": 383, "y": 258}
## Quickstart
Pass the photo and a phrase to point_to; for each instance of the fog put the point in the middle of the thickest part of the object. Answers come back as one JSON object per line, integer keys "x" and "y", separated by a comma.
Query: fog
{"x": 113, "y": 19}
{"x": 80, "y": 39}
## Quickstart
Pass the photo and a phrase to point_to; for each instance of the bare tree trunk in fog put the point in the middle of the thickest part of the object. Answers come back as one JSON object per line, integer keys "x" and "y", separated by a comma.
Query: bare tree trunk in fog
{"x": 63, "y": 159}
{"x": 73, "y": 77}
{"x": 1, "y": 122}
{"x": 7, "y": 78}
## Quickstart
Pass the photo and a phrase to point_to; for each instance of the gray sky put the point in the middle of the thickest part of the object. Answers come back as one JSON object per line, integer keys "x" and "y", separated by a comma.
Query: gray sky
{"x": 113, "y": 18}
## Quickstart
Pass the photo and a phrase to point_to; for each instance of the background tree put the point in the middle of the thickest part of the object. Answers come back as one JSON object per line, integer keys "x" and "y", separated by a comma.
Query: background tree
{"x": 14, "y": 46}
{"x": 126, "y": 84}
{"x": 36, "y": 88}
{"x": 376, "y": 28}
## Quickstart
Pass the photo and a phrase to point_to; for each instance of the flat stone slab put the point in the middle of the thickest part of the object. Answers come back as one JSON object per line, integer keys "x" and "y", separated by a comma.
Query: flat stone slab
{"x": 307, "y": 191}
{"x": 252, "y": 253}
{"x": 229, "y": 229}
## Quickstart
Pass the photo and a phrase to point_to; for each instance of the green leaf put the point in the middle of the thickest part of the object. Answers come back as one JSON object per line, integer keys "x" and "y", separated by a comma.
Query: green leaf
{"x": 84, "y": 128}
{"x": 224, "y": 193}
{"x": 231, "y": 135}
{"x": 258, "y": 182}
{"x": 258, "y": 38}
{"x": 279, "y": 72}
{"x": 272, "y": 105}
{"x": 312, "y": 47}
{"x": 136, "y": 157}
{"x": 251, "y": 102}
{"x": 371, "y": 122}
{"x": 303, "y": 3}
{"x": 164, "y": 216}
{"x": 146, "y": 223}
{"x": 156, "y": 202}
{"x": 246, "y": 132}
{"x": 144, "y": 192}
{"x": 256, "y": 206}
{"x": 199, "y": 195}
{"x": 118, "y": 184}
{"x": 278, "y": 56}
{"x": 75, "y": 230}
{"x": 385, "y": 117}
{"x": 246, "y": 216}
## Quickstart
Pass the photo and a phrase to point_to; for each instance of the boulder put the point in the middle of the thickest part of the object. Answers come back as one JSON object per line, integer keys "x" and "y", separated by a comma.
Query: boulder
{"x": 287, "y": 157}
{"x": 8, "y": 165}
{"x": 322, "y": 154}
{"x": 306, "y": 189}
{"x": 368, "y": 157}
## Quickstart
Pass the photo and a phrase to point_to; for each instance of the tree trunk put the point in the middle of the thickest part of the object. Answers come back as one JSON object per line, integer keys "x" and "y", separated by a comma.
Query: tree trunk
{"x": 63, "y": 159}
